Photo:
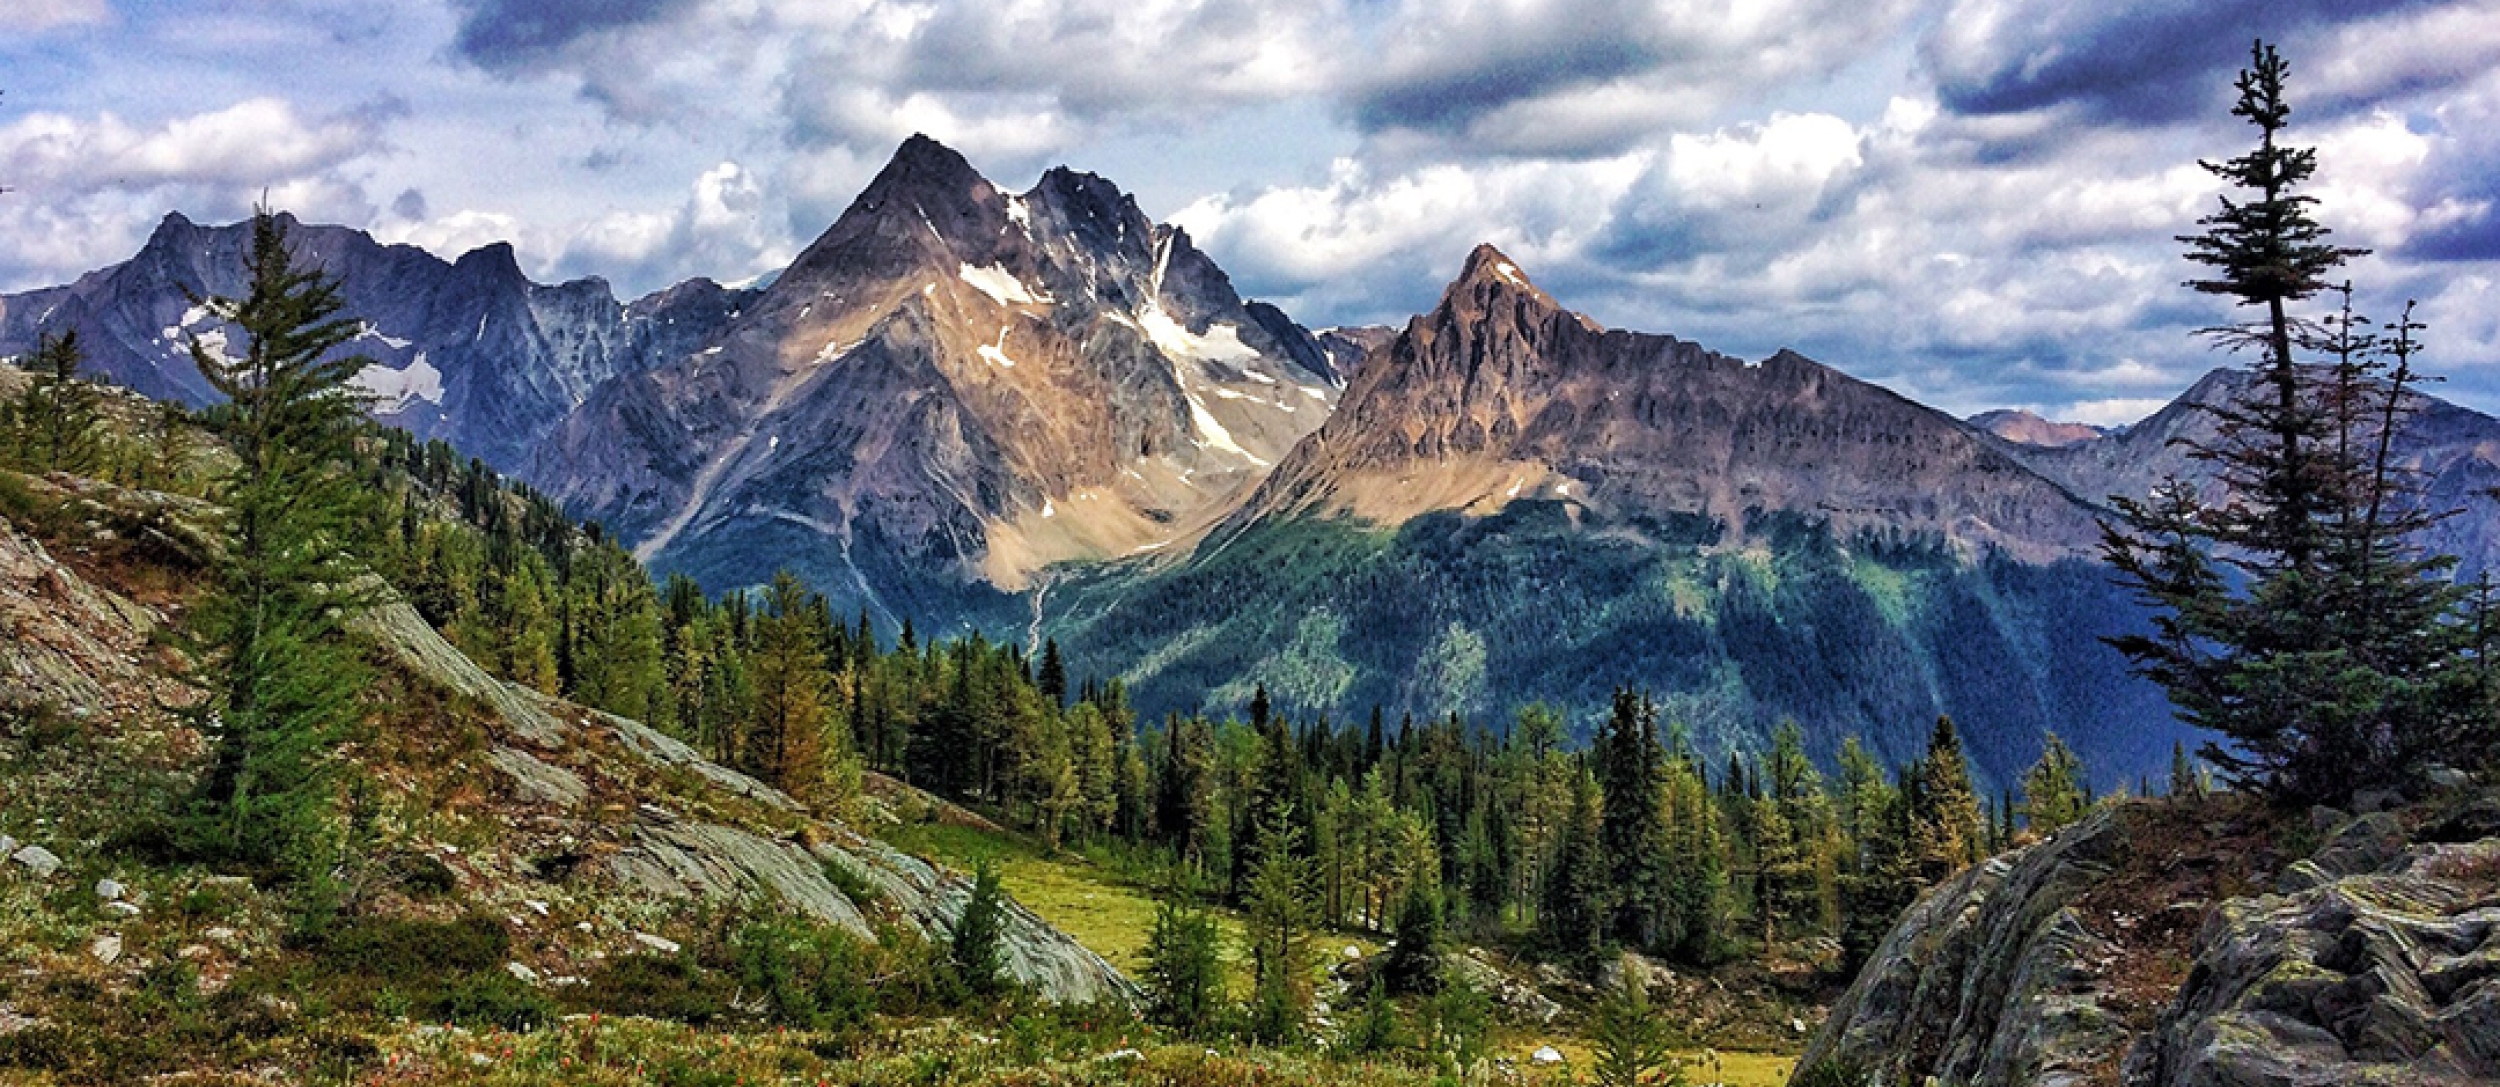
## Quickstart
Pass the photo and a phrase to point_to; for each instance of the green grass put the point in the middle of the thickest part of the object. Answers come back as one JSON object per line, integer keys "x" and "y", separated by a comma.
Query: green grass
{"x": 1109, "y": 915}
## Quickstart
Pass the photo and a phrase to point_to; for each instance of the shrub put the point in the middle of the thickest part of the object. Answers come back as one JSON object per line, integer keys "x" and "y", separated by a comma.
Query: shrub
{"x": 658, "y": 987}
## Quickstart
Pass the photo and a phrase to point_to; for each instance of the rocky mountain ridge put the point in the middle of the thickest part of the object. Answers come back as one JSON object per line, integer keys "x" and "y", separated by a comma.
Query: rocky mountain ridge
{"x": 470, "y": 351}
{"x": 1500, "y": 393}
{"x": 953, "y": 388}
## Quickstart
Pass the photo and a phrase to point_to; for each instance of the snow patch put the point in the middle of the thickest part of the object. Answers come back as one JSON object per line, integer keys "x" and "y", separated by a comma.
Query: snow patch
{"x": 711, "y": 350}
{"x": 394, "y": 342}
{"x": 1221, "y": 343}
{"x": 1001, "y": 285}
{"x": 1018, "y": 214}
{"x": 997, "y": 354}
{"x": 832, "y": 350}
{"x": 394, "y": 391}
{"x": 1257, "y": 376}
{"x": 1049, "y": 510}
{"x": 1510, "y": 271}
{"x": 1212, "y": 434}
{"x": 1313, "y": 393}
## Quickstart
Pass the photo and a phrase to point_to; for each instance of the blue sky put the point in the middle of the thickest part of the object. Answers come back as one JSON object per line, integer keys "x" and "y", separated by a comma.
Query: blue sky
{"x": 1970, "y": 201}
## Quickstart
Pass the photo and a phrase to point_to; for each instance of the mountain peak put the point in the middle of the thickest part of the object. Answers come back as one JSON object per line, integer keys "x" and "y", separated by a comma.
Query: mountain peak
{"x": 922, "y": 161}
{"x": 1488, "y": 263}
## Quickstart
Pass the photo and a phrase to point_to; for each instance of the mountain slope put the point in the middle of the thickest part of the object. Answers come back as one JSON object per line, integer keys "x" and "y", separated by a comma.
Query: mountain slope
{"x": 951, "y": 389}
{"x": 470, "y": 351}
{"x": 1512, "y": 504}
{"x": 2453, "y": 452}
{"x": 2025, "y": 428}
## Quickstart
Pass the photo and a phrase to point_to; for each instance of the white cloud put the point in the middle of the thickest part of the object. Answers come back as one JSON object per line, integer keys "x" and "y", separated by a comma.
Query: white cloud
{"x": 260, "y": 141}
{"x": 37, "y": 16}
{"x": 1790, "y": 158}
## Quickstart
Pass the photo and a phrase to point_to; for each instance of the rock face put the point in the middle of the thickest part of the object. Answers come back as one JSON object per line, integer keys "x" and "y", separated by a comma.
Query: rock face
{"x": 2375, "y": 961}
{"x": 469, "y": 351}
{"x": 1991, "y": 978}
{"x": 2025, "y": 428}
{"x": 952, "y": 388}
{"x": 1501, "y": 394}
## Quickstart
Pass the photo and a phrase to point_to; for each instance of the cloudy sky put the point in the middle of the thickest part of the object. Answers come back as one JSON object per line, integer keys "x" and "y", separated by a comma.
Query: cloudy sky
{"x": 1970, "y": 201}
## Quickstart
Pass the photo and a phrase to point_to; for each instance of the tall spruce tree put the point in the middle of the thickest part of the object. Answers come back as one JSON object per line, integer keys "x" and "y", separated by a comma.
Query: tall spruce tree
{"x": 1944, "y": 814}
{"x": 2342, "y": 663}
{"x": 282, "y": 676}
{"x": 1633, "y": 831}
{"x": 2053, "y": 793}
{"x": 792, "y": 711}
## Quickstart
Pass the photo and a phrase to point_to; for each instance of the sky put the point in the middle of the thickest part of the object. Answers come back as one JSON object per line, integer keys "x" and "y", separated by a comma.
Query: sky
{"x": 1972, "y": 202}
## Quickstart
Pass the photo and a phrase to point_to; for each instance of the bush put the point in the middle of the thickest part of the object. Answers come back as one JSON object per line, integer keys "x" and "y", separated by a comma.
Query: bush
{"x": 492, "y": 1000}
{"x": 657, "y": 987}
{"x": 408, "y": 950}
{"x": 813, "y": 977}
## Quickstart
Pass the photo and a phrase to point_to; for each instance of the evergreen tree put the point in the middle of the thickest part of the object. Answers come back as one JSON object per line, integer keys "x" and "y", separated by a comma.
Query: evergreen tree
{"x": 1279, "y": 896}
{"x": 1628, "y": 1042}
{"x": 1414, "y": 964}
{"x": 54, "y": 423}
{"x": 1376, "y": 1028}
{"x": 1053, "y": 680}
{"x": 2053, "y": 790}
{"x": 2343, "y": 662}
{"x": 282, "y": 675}
{"x": 786, "y": 744}
{"x": 1632, "y": 834}
{"x": 1184, "y": 968}
{"x": 976, "y": 948}
{"x": 1571, "y": 920}
{"x": 2183, "y": 778}
{"x": 1944, "y": 819}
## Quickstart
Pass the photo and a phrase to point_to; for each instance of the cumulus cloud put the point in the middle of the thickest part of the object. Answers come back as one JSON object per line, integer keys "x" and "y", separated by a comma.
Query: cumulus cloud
{"x": 255, "y": 142}
{"x": 724, "y": 229}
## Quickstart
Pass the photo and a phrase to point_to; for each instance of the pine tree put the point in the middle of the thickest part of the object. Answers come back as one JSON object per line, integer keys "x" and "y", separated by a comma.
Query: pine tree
{"x": 1184, "y": 968}
{"x": 2053, "y": 790}
{"x": 1632, "y": 834}
{"x": 976, "y": 948}
{"x": 786, "y": 744}
{"x": 1628, "y": 1042}
{"x": 54, "y": 423}
{"x": 2183, "y": 778}
{"x": 1414, "y": 964}
{"x": 1571, "y": 920}
{"x": 1944, "y": 821}
{"x": 2343, "y": 663}
{"x": 1278, "y": 928}
{"x": 282, "y": 675}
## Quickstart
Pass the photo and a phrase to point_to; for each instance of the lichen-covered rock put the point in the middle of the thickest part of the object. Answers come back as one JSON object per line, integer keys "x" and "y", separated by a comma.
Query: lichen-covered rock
{"x": 1990, "y": 978}
{"x": 2383, "y": 977}
{"x": 2375, "y": 961}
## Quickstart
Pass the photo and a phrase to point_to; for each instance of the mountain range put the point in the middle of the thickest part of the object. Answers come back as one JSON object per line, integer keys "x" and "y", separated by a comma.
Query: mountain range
{"x": 469, "y": 351}
{"x": 1044, "y": 415}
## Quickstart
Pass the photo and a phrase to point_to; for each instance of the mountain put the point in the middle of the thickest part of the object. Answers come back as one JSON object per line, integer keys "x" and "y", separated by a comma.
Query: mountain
{"x": 469, "y": 351}
{"x": 1515, "y": 504}
{"x": 951, "y": 389}
{"x": 2452, "y": 451}
{"x": 2025, "y": 428}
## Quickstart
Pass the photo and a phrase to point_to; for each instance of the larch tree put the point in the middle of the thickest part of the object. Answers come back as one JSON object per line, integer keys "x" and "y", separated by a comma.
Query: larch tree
{"x": 283, "y": 677}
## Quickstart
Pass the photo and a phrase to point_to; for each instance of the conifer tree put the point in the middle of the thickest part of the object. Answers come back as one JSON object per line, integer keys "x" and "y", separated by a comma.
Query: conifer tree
{"x": 54, "y": 424}
{"x": 1278, "y": 898}
{"x": 786, "y": 744}
{"x": 1629, "y": 1042}
{"x": 1944, "y": 823}
{"x": 2053, "y": 789}
{"x": 282, "y": 676}
{"x": 1633, "y": 832}
{"x": 1571, "y": 920}
{"x": 2342, "y": 663}
{"x": 1184, "y": 967}
{"x": 1414, "y": 964}
{"x": 976, "y": 947}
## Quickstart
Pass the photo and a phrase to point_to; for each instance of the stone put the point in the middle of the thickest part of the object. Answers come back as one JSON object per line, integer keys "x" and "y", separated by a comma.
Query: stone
{"x": 106, "y": 949}
{"x": 109, "y": 889}
{"x": 1546, "y": 1056}
{"x": 121, "y": 909}
{"x": 521, "y": 972}
{"x": 38, "y": 860}
{"x": 2447, "y": 777}
{"x": 661, "y": 944}
{"x": 8, "y": 845}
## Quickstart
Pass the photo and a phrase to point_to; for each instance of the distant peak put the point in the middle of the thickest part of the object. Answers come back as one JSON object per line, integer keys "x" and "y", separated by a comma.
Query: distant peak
{"x": 1488, "y": 263}
{"x": 496, "y": 257}
{"x": 921, "y": 160}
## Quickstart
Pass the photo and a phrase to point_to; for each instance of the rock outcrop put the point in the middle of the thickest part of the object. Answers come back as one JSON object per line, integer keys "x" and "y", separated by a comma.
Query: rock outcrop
{"x": 2375, "y": 960}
